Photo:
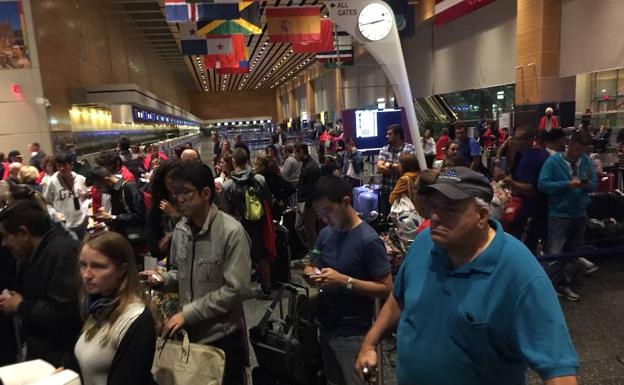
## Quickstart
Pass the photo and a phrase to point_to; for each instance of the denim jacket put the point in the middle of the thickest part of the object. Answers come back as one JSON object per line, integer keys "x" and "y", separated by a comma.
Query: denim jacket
{"x": 212, "y": 271}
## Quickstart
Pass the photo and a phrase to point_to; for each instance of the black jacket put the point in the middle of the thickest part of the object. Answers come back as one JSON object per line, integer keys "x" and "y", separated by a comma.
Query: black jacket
{"x": 128, "y": 206}
{"x": 47, "y": 281}
{"x": 310, "y": 172}
{"x": 132, "y": 363}
{"x": 36, "y": 160}
{"x": 8, "y": 347}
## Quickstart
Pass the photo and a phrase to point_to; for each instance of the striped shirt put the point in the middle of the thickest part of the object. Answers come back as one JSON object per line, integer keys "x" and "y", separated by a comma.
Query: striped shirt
{"x": 392, "y": 156}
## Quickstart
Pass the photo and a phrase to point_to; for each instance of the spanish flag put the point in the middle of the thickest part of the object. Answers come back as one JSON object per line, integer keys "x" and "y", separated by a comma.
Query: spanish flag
{"x": 294, "y": 25}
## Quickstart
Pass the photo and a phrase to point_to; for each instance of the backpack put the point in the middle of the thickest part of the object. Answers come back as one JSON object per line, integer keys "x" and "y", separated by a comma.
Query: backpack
{"x": 247, "y": 199}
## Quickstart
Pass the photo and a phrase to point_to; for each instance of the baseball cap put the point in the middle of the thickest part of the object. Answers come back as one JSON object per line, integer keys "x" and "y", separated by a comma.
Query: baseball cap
{"x": 461, "y": 183}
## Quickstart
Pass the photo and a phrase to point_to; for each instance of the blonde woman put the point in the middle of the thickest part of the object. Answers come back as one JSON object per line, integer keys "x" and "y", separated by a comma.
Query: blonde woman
{"x": 118, "y": 339}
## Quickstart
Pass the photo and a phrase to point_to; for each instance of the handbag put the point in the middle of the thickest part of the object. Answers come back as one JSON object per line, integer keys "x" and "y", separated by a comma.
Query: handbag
{"x": 402, "y": 205}
{"x": 186, "y": 363}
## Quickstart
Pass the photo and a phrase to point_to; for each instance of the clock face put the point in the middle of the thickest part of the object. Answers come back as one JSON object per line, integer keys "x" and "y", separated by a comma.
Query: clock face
{"x": 375, "y": 21}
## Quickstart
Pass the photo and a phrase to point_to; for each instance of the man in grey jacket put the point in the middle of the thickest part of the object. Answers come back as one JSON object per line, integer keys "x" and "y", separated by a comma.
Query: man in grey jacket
{"x": 212, "y": 269}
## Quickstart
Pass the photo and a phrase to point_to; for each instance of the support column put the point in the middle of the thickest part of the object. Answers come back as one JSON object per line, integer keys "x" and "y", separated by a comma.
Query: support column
{"x": 538, "y": 84}
{"x": 292, "y": 103}
{"x": 310, "y": 98}
{"x": 339, "y": 102}
{"x": 280, "y": 106}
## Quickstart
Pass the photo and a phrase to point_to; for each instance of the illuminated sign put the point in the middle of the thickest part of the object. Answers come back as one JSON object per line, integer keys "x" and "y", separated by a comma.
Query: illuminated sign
{"x": 140, "y": 115}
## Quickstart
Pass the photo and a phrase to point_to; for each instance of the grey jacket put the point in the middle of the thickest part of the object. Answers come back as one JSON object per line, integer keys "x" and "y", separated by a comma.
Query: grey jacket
{"x": 212, "y": 271}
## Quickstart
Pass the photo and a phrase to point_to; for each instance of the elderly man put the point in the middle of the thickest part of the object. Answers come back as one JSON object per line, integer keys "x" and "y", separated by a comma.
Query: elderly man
{"x": 190, "y": 155}
{"x": 473, "y": 305}
{"x": 548, "y": 121}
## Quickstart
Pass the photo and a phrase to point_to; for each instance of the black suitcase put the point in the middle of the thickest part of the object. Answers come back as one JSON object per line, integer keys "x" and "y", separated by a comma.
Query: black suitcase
{"x": 286, "y": 344}
{"x": 296, "y": 248}
{"x": 280, "y": 268}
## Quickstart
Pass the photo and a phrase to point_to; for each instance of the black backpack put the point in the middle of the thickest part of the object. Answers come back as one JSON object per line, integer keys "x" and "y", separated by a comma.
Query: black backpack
{"x": 247, "y": 199}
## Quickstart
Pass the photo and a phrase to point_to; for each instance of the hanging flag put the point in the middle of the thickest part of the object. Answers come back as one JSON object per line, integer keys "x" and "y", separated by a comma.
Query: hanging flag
{"x": 178, "y": 11}
{"x": 342, "y": 52}
{"x": 247, "y": 24}
{"x": 294, "y": 25}
{"x": 449, "y": 10}
{"x": 243, "y": 67}
{"x": 219, "y": 44}
{"x": 212, "y": 1}
{"x": 191, "y": 42}
{"x": 208, "y": 12}
{"x": 232, "y": 59}
{"x": 325, "y": 44}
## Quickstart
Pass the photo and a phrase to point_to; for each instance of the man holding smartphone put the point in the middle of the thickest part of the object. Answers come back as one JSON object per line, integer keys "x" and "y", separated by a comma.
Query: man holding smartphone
{"x": 351, "y": 270}
{"x": 567, "y": 177}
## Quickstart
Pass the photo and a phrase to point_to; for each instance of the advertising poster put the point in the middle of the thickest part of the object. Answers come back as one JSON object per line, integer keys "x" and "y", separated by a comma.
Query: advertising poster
{"x": 13, "y": 49}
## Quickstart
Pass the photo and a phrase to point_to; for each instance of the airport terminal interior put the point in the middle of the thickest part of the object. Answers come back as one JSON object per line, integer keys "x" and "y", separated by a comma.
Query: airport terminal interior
{"x": 148, "y": 119}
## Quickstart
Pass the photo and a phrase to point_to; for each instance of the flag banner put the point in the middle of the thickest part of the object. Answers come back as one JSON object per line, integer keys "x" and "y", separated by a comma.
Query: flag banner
{"x": 247, "y": 24}
{"x": 191, "y": 42}
{"x": 243, "y": 68}
{"x": 342, "y": 49}
{"x": 220, "y": 1}
{"x": 449, "y": 10}
{"x": 219, "y": 44}
{"x": 232, "y": 59}
{"x": 325, "y": 44}
{"x": 178, "y": 11}
{"x": 212, "y": 1}
{"x": 293, "y": 25}
{"x": 208, "y": 12}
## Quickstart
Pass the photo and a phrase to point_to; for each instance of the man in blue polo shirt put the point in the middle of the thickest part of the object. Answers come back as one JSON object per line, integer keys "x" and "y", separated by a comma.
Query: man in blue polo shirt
{"x": 468, "y": 147}
{"x": 473, "y": 306}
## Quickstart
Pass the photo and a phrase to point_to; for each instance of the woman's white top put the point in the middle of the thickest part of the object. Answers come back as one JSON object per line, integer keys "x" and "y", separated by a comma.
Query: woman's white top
{"x": 94, "y": 359}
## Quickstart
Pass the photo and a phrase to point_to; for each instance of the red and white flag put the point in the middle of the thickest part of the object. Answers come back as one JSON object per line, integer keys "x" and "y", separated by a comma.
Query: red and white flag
{"x": 449, "y": 10}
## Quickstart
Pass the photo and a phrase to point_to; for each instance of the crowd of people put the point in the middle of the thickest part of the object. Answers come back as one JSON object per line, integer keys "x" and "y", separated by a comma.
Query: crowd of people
{"x": 471, "y": 303}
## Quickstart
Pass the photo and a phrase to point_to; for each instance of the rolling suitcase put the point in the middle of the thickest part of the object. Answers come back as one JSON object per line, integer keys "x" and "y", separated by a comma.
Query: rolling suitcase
{"x": 285, "y": 342}
{"x": 280, "y": 268}
{"x": 288, "y": 221}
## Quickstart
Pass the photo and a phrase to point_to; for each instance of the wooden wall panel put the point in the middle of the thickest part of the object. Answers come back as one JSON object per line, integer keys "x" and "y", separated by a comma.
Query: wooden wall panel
{"x": 231, "y": 105}
{"x": 88, "y": 43}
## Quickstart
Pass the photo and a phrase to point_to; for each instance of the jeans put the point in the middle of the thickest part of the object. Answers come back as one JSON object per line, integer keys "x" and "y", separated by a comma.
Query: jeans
{"x": 339, "y": 355}
{"x": 564, "y": 236}
{"x": 235, "y": 373}
{"x": 305, "y": 225}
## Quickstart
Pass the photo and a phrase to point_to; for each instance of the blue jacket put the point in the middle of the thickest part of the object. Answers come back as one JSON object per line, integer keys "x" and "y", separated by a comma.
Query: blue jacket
{"x": 554, "y": 180}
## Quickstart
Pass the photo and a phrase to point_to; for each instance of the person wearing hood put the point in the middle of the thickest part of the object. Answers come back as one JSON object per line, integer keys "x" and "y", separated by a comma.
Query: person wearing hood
{"x": 234, "y": 200}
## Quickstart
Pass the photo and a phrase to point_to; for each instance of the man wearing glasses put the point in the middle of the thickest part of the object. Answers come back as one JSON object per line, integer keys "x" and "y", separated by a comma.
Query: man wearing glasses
{"x": 211, "y": 269}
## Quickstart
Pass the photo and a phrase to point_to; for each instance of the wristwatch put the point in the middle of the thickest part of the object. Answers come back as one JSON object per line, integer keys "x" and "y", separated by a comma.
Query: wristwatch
{"x": 349, "y": 283}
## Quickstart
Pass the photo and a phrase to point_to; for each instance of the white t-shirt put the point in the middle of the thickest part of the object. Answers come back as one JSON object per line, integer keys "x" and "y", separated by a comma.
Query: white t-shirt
{"x": 61, "y": 200}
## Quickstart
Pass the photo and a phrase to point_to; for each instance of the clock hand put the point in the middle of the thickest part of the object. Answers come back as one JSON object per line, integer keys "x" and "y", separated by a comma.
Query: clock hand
{"x": 372, "y": 22}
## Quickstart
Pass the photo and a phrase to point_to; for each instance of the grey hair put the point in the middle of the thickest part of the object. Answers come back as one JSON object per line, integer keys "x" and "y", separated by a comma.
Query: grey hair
{"x": 482, "y": 204}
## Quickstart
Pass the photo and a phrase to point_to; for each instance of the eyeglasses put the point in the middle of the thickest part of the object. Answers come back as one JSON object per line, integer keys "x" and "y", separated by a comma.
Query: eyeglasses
{"x": 184, "y": 193}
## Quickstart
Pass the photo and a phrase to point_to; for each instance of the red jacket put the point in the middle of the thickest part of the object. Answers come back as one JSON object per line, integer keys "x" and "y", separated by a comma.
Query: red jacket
{"x": 554, "y": 123}
{"x": 441, "y": 144}
{"x": 147, "y": 165}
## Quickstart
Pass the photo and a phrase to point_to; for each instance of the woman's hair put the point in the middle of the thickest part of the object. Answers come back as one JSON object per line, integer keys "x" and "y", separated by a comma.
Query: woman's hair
{"x": 266, "y": 166}
{"x": 227, "y": 159}
{"x": 116, "y": 248}
{"x": 158, "y": 185}
{"x": 409, "y": 163}
{"x": 46, "y": 160}
{"x": 28, "y": 174}
{"x": 18, "y": 192}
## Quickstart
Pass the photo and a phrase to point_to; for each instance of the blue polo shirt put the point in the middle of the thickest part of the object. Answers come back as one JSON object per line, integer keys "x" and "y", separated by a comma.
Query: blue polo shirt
{"x": 482, "y": 323}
